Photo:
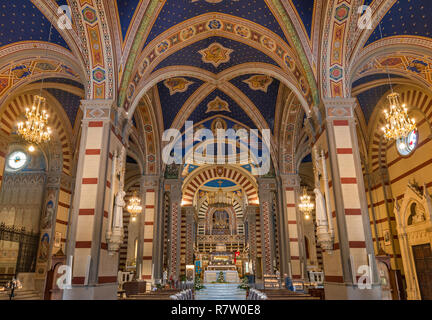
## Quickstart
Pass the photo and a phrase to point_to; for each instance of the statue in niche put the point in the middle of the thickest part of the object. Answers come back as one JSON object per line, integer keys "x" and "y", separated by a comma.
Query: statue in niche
{"x": 321, "y": 215}
{"x": 118, "y": 209}
{"x": 417, "y": 214}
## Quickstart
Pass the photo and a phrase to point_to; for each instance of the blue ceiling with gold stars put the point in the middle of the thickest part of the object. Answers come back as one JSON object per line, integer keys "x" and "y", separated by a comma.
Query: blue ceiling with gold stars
{"x": 264, "y": 101}
{"x": 20, "y": 20}
{"x": 177, "y": 11}
{"x": 126, "y": 10}
{"x": 171, "y": 104}
{"x": 369, "y": 99}
{"x": 237, "y": 113}
{"x": 190, "y": 56}
{"x": 69, "y": 101}
{"x": 305, "y": 9}
{"x": 407, "y": 18}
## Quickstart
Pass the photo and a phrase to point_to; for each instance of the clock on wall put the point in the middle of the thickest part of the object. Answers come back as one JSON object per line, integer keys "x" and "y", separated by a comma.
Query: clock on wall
{"x": 406, "y": 145}
{"x": 17, "y": 160}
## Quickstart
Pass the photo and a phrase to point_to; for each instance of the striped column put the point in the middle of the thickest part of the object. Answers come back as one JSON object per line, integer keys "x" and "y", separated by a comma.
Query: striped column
{"x": 92, "y": 202}
{"x": 265, "y": 187}
{"x": 55, "y": 215}
{"x": 149, "y": 188}
{"x": 175, "y": 225}
{"x": 297, "y": 254}
{"x": 354, "y": 239}
{"x": 251, "y": 212}
{"x": 190, "y": 225}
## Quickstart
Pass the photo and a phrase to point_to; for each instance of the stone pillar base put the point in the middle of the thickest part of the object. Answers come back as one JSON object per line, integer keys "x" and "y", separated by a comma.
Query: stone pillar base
{"x": 343, "y": 291}
{"x": 99, "y": 292}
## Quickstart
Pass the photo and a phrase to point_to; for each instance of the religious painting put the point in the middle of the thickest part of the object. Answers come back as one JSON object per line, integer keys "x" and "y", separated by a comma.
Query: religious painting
{"x": 218, "y": 124}
{"x": 387, "y": 237}
{"x": 221, "y": 223}
{"x": 218, "y": 105}
{"x": 57, "y": 240}
{"x": 47, "y": 218}
{"x": 44, "y": 248}
{"x": 216, "y": 54}
{"x": 21, "y": 71}
{"x": 190, "y": 273}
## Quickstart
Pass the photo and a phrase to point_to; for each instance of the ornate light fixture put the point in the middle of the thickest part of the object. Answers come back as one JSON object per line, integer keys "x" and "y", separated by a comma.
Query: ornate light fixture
{"x": 220, "y": 198}
{"x": 306, "y": 206}
{"x": 134, "y": 207}
{"x": 35, "y": 129}
{"x": 399, "y": 125}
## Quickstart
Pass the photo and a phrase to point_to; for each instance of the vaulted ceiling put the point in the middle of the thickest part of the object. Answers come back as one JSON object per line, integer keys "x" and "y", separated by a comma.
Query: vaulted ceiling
{"x": 233, "y": 55}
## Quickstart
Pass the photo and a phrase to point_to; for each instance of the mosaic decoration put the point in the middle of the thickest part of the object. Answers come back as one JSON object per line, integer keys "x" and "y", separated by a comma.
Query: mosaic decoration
{"x": 177, "y": 85}
{"x": 218, "y": 105}
{"x": 259, "y": 82}
{"x": 216, "y": 54}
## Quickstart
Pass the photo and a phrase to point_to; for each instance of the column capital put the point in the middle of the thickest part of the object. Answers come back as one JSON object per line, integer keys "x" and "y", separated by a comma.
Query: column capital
{"x": 97, "y": 110}
{"x": 266, "y": 184}
{"x": 149, "y": 181}
{"x": 339, "y": 107}
{"x": 290, "y": 180}
{"x": 251, "y": 211}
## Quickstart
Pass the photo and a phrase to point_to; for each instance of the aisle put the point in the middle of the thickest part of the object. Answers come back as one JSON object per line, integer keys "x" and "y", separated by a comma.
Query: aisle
{"x": 224, "y": 291}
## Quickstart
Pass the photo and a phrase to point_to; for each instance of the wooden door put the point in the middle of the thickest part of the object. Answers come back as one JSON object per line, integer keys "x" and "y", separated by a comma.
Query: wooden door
{"x": 423, "y": 262}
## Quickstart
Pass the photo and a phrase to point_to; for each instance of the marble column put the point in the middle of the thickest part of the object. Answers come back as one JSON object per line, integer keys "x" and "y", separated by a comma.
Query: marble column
{"x": 354, "y": 245}
{"x": 294, "y": 226}
{"x": 147, "y": 221}
{"x": 94, "y": 269}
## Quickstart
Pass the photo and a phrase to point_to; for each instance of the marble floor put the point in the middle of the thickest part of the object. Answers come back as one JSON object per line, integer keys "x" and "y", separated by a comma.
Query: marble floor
{"x": 223, "y": 291}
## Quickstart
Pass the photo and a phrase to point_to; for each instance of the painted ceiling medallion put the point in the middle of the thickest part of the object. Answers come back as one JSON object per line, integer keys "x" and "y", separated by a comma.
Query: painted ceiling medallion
{"x": 216, "y": 54}
{"x": 218, "y": 105}
{"x": 259, "y": 82}
{"x": 177, "y": 85}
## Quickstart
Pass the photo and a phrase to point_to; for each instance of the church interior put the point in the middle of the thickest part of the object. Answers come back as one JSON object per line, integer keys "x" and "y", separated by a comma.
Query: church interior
{"x": 117, "y": 185}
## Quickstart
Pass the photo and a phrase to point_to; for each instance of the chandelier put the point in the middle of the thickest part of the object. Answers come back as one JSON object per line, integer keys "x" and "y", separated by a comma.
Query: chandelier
{"x": 134, "y": 207}
{"x": 220, "y": 198}
{"x": 35, "y": 129}
{"x": 398, "y": 124}
{"x": 306, "y": 206}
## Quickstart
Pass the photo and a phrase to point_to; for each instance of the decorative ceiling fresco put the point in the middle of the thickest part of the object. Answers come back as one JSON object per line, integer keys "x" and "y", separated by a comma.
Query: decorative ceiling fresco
{"x": 176, "y": 11}
{"x": 305, "y": 10}
{"x": 215, "y": 54}
{"x": 405, "y": 18}
{"x": 22, "y": 21}
{"x": 203, "y": 59}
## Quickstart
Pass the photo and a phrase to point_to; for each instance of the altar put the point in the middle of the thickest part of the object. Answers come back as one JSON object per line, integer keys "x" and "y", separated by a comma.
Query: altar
{"x": 230, "y": 276}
